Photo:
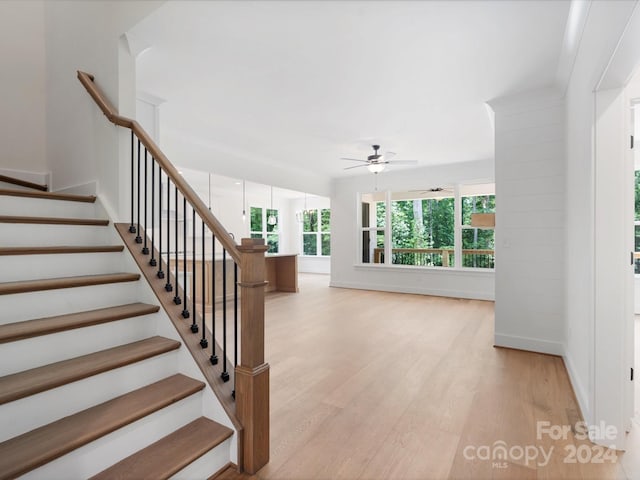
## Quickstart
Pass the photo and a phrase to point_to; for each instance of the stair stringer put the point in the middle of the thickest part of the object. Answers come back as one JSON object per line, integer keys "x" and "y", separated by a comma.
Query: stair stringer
{"x": 186, "y": 364}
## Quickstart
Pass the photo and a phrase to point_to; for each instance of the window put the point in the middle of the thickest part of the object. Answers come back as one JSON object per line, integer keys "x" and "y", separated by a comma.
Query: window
{"x": 264, "y": 224}
{"x": 316, "y": 236}
{"x": 419, "y": 228}
{"x": 256, "y": 222}
{"x": 373, "y": 221}
{"x": 478, "y": 243}
{"x": 422, "y": 230}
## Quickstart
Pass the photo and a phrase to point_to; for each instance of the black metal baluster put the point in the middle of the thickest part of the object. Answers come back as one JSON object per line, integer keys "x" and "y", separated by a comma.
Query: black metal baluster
{"x": 224, "y": 374}
{"x": 203, "y": 340}
{"x": 176, "y": 298}
{"x": 194, "y": 325}
{"x": 132, "y": 228}
{"x": 235, "y": 324}
{"x": 160, "y": 273}
{"x": 214, "y": 357}
{"x": 145, "y": 249}
{"x": 185, "y": 310}
{"x": 138, "y": 237}
{"x": 168, "y": 287}
{"x": 153, "y": 262}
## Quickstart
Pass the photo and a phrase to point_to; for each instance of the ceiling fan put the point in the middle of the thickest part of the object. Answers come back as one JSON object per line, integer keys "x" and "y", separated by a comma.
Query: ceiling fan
{"x": 377, "y": 162}
{"x": 434, "y": 190}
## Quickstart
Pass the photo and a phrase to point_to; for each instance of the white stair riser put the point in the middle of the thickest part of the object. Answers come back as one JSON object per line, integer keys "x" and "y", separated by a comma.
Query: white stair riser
{"x": 102, "y": 453}
{"x": 10, "y": 205}
{"x": 39, "y": 351}
{"x": 27, "y": 306}
{"x": 206, "y": 465}
{"x": 35, "y": 267}
{"x": 43, "y": 408}
{"x": 28, "y": 235}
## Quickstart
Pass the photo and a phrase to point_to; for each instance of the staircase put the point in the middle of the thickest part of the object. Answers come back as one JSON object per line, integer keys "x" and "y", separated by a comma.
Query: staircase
{"x": 93, "y": 382}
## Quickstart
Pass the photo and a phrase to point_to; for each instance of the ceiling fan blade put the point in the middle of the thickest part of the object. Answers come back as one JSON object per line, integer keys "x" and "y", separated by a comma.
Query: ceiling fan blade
{"x": 354, "y": 160}
{"x": 433, "y": 190}
{"x": 355, "y": 166}
{"x": 389, "y": 155}
{"x": 403, "y": 162}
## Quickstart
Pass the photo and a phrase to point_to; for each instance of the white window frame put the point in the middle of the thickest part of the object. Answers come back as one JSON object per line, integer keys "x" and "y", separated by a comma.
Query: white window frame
{"x": 264, "y": 231}
{"x": 373, "y": 228}
{"x": 459, "y": 191}
{"x": 318, "y": 234}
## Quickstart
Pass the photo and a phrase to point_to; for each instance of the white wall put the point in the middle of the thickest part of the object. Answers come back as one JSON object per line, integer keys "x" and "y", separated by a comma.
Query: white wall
{"x": 226, "y": 206}
{"x": 82, "y": 147}
{"x": 345, "y": 271}
{"x": 22, "y": 78}
{"x": 530, "y": 180}
{"x": 605, "y": 23}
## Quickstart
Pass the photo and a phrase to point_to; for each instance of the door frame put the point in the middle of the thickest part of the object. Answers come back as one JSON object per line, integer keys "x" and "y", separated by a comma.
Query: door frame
{"x": 613, "y": 219}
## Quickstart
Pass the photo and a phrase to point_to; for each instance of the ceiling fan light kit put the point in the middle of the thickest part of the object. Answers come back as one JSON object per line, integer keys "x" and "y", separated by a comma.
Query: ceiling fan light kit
{"x": 377, "y": 162}
{"x": 376, "y": 167}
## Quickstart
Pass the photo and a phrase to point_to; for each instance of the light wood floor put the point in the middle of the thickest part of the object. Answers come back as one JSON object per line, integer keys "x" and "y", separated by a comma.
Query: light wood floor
{"x": 372, "y": 385}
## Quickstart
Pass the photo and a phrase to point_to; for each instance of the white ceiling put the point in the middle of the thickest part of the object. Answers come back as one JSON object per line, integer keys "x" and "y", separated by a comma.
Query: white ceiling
{"x": 305, "y": 83}
{"x": 218, "y": 185}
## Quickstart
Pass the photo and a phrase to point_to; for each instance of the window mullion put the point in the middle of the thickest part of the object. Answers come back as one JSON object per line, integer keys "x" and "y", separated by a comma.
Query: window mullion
{"x": 388, "y": 251}
{"x": 319, "y": 233}
{"x": 457, "y": 226}
{"x": 264, "y": 225}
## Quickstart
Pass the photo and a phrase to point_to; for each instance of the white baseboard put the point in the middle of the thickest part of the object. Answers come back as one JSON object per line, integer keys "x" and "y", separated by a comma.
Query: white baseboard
{"x": 529, "y": 344}
{"x": 415, "y": 290}
{"x": 578, "y": 388}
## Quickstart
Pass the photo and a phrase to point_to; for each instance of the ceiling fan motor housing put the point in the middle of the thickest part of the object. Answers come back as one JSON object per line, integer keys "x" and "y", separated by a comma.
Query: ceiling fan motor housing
{"x": 376, "y": 155}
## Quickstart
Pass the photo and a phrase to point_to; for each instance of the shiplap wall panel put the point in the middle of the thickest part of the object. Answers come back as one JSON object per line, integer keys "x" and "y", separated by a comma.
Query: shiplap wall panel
{"x": 530, "y": 221}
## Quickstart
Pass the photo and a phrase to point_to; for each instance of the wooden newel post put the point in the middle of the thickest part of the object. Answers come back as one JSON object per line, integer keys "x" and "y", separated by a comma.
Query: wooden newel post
{"x": 252, "y": 374}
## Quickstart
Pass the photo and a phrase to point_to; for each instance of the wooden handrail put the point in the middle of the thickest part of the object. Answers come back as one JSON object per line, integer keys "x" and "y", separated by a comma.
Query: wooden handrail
{"x": 192, "y": 197}
{"x": 252, "y": 373}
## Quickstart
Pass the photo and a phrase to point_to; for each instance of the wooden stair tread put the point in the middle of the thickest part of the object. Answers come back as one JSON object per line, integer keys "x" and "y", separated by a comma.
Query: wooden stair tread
{"x": 96, "y": 222}
{"x": 36, "y": 380}
{"x": 30, "y": 450}
{"x": 65, "y": 282}
{"x": 170, "y": 454}
{"x": 23, "y": 183}
{"x": 48, "y": 195}
{"x": 230, "y": 472}
{"x": 60, "y": 250}
{"x": 45, "y": 326}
